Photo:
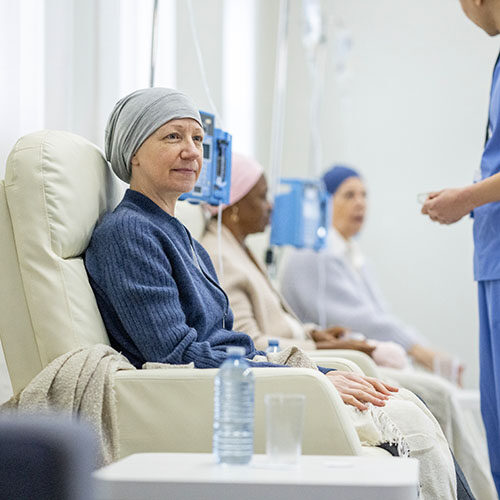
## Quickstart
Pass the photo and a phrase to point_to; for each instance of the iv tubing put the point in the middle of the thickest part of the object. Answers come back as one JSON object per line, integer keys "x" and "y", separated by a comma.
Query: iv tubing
{"x": 316, "y": 61}
{"x": 202, "y": 66}
{"x": 278, "y": 116}
{"x": 219, "y": 243}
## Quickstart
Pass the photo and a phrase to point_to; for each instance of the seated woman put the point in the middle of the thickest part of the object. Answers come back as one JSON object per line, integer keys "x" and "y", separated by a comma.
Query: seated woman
{"x": 155, "y": 286}
{"x": 351, "y": 297}
{"x": 259, "y": 310}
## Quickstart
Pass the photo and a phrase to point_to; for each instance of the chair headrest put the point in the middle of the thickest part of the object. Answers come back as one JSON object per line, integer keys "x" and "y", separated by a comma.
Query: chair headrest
{"x": 58, "y": 185}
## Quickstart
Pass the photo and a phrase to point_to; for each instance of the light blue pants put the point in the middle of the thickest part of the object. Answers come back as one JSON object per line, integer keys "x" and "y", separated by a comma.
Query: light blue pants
{"x": 489, "y": 357}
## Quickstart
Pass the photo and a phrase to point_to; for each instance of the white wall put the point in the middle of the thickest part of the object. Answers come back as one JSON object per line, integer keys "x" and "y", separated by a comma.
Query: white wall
{"x": 419, "y": 106}
{"x": 413, "y": 120}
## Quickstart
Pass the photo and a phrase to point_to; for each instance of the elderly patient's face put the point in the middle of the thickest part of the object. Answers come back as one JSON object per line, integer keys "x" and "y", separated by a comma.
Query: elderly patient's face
{"x": 169, "y": 161}
{"x": 349, "y": 207}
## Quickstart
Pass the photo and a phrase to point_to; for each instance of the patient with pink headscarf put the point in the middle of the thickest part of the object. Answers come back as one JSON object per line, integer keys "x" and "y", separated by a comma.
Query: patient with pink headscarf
{"x": 259, "y": 309}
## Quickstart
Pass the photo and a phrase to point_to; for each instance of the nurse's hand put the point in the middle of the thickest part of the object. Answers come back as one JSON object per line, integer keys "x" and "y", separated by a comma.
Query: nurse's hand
{"x": 357, "y": 390}
{"x": 448, "y": 206}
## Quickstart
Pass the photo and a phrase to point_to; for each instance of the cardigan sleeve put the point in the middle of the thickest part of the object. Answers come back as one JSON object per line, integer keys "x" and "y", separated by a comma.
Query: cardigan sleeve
{"x": 138, "y": 281}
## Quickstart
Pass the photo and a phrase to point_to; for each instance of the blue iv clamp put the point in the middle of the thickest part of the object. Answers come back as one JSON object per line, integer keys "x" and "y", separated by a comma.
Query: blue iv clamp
{"x": 301, "y": 214}
{"x": 213, "y": 185}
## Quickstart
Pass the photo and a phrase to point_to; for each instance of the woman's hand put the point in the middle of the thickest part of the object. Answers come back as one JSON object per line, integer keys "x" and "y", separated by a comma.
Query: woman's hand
{"x": 356, "y": 390}
{"x": 334, "y": 332}
{"x": 347, "y": 343}
{"x": 423, "y": 355}
{"x": 448, "y": 206}
{"x": 439, "y": 363}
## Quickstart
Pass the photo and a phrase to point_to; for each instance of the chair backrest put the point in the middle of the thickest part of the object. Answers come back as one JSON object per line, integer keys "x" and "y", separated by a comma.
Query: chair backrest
{"x": 57, "y": 186}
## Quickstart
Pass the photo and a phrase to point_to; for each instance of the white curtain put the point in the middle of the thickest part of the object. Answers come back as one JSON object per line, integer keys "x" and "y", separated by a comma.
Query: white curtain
{"x": 69, "y": 61}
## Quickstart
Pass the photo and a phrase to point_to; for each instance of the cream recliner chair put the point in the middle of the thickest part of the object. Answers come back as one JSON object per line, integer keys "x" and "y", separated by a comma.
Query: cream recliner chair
{"x": 57, "y": 186}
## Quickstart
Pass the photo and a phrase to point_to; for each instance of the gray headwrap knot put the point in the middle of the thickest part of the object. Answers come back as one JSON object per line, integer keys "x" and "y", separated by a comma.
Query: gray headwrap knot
{"x": 135, "y": 117}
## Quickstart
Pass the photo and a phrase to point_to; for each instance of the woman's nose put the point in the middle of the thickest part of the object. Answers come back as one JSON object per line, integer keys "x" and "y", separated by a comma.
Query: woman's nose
{"x": 361, "y": 201}
{"x": 190, "y": 150}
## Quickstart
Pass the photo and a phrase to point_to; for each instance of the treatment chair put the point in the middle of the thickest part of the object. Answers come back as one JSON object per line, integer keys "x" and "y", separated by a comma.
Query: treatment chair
{"x": 57, "y": 185}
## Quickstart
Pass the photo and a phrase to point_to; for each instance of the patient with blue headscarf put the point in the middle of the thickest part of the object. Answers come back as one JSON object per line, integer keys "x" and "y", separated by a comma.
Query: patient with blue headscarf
{"x": 351, "y": 297}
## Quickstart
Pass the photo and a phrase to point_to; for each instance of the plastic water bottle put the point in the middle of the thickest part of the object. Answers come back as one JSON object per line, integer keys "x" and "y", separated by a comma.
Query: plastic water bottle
{"x": 273, "y": 345}
{"x": 233, "y": 410}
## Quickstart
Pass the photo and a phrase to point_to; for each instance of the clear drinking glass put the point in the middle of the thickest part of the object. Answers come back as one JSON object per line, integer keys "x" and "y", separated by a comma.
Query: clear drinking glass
{"x": 285, "y": 422}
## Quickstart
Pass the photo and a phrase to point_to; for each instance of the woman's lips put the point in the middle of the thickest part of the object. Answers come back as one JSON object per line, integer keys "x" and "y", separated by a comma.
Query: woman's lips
{"x": 185, "y": 171}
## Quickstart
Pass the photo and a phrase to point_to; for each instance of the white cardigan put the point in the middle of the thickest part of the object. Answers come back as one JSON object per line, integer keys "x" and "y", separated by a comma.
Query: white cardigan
{"x": 259, "y": 310}
{"x": 336, "y": 286}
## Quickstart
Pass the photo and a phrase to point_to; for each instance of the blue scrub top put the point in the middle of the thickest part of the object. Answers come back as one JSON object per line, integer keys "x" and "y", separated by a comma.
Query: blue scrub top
{"x": 487, "y": 217}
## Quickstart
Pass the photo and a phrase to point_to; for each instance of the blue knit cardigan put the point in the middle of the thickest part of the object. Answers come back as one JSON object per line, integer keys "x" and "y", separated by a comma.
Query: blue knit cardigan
{"x": 157, "y": 290}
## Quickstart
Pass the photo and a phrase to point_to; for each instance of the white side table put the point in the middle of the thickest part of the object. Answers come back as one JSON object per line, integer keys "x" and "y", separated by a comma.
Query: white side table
{"x": 191, "y": 476}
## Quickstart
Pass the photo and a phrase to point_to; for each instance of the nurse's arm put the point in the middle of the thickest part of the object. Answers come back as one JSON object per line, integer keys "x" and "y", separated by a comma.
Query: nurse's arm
{"x": 450, "y": 205}
{"x": 485, "y": 191}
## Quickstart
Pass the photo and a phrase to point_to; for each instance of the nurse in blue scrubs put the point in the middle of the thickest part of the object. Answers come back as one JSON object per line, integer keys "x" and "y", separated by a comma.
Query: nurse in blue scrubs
{"x": 483, "y": 199}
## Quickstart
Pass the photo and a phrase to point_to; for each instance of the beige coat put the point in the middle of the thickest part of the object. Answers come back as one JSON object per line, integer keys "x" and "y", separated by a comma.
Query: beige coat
{"x": 259, "y": 310}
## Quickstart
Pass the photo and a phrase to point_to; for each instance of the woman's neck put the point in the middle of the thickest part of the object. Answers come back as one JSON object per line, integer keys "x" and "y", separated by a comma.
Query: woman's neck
{"x": 235, "y": 228}
{"x": 165, "y": 202}
{"x": 342, "y": 233}
{"x": 236, "y": 232}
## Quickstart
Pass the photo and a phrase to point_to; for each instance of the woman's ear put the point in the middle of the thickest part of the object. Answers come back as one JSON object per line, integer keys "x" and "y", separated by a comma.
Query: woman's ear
{"x": 134, "y": 161}
{"x": 235, "y": 215}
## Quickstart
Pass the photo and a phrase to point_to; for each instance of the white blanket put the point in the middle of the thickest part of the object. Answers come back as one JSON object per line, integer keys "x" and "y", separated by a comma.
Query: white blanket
{"x": 439, "y": 396}
{"x": 404, "y": 421}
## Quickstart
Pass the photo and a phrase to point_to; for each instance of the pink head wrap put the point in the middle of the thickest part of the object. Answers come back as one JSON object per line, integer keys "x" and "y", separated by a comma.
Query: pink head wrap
{"x": 245, "y": 172}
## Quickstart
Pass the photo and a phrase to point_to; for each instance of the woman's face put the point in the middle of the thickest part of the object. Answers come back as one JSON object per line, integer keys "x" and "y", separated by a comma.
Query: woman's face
{"x": 349, "y": 207}
{"x": 254, "y": 209}
{"x": 169, "y": 161}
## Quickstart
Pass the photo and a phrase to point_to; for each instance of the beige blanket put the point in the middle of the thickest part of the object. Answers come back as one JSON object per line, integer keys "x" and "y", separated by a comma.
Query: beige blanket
{"x": 79, "y": 382}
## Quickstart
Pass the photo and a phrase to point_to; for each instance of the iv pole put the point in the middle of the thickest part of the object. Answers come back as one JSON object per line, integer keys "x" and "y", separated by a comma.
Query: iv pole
{"x": 154, "y": 40}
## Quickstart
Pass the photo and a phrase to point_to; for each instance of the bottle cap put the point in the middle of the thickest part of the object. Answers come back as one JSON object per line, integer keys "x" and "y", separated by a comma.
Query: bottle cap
{"x": 234, "y": 350}
{"x": 274, "y": 342}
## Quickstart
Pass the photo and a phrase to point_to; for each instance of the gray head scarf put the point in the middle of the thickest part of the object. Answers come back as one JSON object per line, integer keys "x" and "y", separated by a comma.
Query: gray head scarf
{"x": 135, "y": 117}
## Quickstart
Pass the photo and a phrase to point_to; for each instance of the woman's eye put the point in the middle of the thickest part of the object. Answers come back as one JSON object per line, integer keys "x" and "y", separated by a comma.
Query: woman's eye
{"x": 198, "y": 138}
{"x": 172, "y": 136}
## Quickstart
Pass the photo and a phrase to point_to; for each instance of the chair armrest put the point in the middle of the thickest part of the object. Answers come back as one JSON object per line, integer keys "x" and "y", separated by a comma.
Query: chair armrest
{"x": 342, "y": 364}
{"x": 171, "y": 410}
{"x": 364, "y": 361}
